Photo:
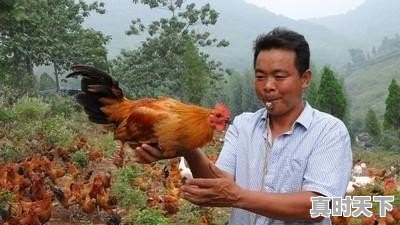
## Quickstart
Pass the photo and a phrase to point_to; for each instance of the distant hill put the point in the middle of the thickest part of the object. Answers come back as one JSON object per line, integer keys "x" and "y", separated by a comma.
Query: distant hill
{"x": 366, "y": 25}
{"x": 239, "y": 22}
{"x": 368, "y": 86}
{"x": 330, "y": 39}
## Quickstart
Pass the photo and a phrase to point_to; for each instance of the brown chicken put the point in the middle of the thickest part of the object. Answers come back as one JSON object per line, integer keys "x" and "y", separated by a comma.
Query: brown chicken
{"x": 165, "y": 122}
{"x": 389, "y": 186}
{"x": 374, "y": 172}
{"x": 30, "y": 218}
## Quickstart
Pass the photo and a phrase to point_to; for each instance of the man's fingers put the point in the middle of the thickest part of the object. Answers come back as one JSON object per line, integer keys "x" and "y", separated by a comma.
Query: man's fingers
{"x": 195, "y": 192}
{"x": 202, "y": 197}
{"x": 143, "y": 157}
{"x": 155, "y": 152}
{"x": 147, "y": 154}
{"x": 193, "y": 198}
{"x": 201, "y": 182}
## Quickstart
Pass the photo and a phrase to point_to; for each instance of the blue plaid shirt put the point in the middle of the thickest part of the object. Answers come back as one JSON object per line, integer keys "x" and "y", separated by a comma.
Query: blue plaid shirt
{"x": 315, "y": 155}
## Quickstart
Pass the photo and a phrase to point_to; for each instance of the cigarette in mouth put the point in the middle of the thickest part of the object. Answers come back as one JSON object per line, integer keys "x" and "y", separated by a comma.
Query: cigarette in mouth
{"x": 268, "y": 105}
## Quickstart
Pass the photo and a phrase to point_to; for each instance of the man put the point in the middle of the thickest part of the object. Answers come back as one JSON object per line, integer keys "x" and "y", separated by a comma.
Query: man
{"x": 274, "y": 160}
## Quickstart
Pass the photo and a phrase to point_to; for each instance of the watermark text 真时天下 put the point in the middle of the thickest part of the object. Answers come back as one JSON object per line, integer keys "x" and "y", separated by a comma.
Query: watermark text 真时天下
{"x": 349, "y": 206}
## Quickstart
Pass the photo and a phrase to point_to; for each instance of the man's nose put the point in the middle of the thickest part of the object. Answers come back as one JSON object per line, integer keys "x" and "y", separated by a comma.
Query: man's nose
{"x": 269, "y": 84}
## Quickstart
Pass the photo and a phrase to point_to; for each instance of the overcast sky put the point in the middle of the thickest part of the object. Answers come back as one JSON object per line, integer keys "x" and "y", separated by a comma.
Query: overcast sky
{"x": 304, "y": 9}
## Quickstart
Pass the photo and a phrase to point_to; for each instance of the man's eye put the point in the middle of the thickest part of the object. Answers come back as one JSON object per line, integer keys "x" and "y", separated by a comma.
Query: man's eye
{"x": 280, "y": 77}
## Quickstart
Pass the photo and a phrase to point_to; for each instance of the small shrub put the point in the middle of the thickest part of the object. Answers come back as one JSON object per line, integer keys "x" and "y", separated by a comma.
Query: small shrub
{"x": 126, "y": 194}
{"x": 25, "y": 130}
{"x": 151, "y": 216}
{"x": 62, "y": 106}
{"x": 80, "y": 159}
{"x": 31, "y": 108}
{"x": 57, "y": 131}
{"x": 11, "y": 153}
{"x": 10, "y": 95}
{"x": 108, "y": 144}
{"x": 390, "y": 140}
{"x": 6, "y": 115}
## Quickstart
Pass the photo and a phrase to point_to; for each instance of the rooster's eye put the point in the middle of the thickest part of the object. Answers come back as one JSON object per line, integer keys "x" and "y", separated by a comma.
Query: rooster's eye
{"x": 218, "y": 115}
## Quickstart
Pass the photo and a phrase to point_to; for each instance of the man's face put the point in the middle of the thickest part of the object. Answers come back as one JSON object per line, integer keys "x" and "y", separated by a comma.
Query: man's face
{"x": 278, "y": 81}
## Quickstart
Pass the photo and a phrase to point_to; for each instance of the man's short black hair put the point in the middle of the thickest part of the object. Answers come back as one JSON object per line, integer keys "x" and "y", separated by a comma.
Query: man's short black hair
{"x": 282, "y": 38}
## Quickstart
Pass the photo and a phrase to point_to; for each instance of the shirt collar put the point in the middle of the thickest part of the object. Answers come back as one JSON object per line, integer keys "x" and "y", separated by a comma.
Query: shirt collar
{"x": 304, "y": 119}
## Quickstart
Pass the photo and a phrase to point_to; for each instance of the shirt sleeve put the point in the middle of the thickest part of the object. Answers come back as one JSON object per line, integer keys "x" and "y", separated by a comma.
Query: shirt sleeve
{"x": 227, "y": 157}
{"x": 329, "y": 166}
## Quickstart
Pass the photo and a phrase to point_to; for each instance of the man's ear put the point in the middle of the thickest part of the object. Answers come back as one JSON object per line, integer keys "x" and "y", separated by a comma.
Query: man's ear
{"x": 306, "y": 78}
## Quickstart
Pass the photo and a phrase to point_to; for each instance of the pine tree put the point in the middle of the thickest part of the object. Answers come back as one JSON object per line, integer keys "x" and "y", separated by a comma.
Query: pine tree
{"x": 331, "y": 98}
{"x": 311, "y": 93}
{"x": 392, "y": 112}
{"x": 372, "y": 125}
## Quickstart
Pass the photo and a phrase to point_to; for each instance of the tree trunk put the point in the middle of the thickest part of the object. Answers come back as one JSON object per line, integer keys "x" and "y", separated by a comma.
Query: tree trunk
{"x": 56, "y": 71}
{"x": 29, "y": 66}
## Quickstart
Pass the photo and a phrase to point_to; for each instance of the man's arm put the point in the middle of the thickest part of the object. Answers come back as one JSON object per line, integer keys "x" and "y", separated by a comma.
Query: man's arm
{"x": 224, "y": 192}
{"x": 198, "y": 161}
{"x": 281, "y": 206}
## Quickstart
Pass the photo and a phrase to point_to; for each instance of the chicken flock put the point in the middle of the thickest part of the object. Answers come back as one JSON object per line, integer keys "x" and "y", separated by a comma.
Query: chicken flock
{"x": 369, "y": 181}
{"x": 44, "y": 182}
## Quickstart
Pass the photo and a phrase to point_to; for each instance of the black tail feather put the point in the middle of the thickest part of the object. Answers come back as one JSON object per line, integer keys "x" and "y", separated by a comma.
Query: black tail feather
{"x": 95, "y": 84}
{"x": 92, "y": 106}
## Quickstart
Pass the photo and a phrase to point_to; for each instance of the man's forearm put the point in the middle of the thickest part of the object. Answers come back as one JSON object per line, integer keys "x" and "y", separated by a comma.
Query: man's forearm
{"x": 199, "y": 164}
{"x": 281, "y": 206}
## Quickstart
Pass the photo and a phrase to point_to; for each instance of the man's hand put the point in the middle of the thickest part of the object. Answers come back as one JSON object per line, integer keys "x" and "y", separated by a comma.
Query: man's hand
{"x": 221, "y": 191}
{"x": 147, "y": 154}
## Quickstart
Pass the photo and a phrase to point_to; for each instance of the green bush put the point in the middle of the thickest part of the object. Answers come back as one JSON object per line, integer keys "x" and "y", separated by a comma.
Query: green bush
{"x": 11, "y": 153}
{"x": 31, "y": 108}
{"x": 10, "y": 95}
{"x": 61, "y": 105}
{"x": 126, "y": 194}
{"x": 25, "y": 130}
{"x": 57, "y": 131}
{"x": 80, "y": 159}
{"x": 390, "y": 140}
{"x": 149, "y": 216}
{"x": 107, "y": 144}
{"x": 6, "y": 115}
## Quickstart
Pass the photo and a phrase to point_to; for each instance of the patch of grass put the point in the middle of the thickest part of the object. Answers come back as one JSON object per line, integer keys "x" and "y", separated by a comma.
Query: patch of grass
{"x": 80, "y": 159}
{"x": 105, "y": 142}
{"x": 151, "y": 216}
{"x": 376, "y": 157}
{"x": 31, "y": 108}
{"x": 6, "y": 115}
{"x": 127, "y": 195}
{"x": 11, "y": 153}
{"x": 57, "y": 131}
{"x": 61, "y": 105}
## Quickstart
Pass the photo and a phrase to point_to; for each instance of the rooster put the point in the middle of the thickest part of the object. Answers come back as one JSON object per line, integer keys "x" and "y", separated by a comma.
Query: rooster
{"x": 165, "y": 122}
